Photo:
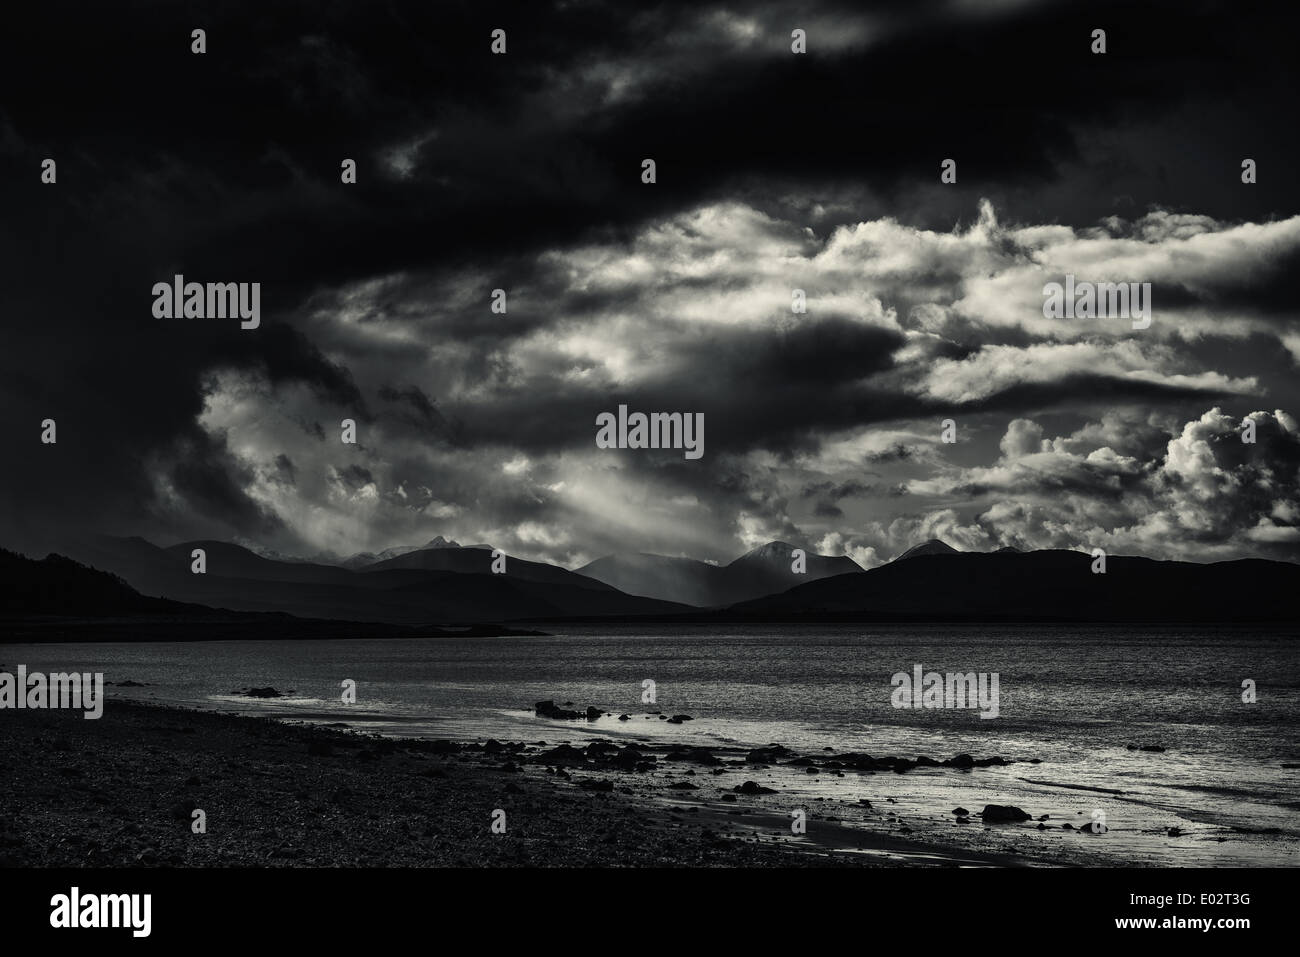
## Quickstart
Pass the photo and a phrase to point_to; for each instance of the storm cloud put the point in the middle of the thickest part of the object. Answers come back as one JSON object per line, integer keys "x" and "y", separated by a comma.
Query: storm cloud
{"x": 776, "y": 172}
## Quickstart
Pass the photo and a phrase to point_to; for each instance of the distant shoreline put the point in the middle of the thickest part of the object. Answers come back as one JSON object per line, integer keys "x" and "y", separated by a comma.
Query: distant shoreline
{"x": 255, "y": 626}
{"x": 229, "y": 626}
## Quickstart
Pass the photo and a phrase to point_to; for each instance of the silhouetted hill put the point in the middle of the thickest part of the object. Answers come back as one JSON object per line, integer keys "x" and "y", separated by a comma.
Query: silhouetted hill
{"x": 58, "y": 599}
{"x": 684, "y": 580}
{"x": 932, "y": 547}
{"x": 1041, "y": 586}
{"x": 762, "y": 571}
{"x": 478, "y": 561}
{"x": 416, "y": 588}
{"x": 362, "y": 559}
{"x": 56, "y": 585}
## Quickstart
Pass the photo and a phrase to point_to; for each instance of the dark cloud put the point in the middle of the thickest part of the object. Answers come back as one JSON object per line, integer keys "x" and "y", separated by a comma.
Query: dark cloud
{"x": 355, "y": 476}
{"x": 212, "y": 485}
{"x": 838, "y": 490}
{"x": 285, "y": 470}
{"x": 421, "y": 411}
{"x": 478, "y": 172}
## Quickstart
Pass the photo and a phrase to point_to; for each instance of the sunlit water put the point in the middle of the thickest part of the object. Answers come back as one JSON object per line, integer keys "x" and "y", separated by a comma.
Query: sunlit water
{"x": 1075, "y": 698}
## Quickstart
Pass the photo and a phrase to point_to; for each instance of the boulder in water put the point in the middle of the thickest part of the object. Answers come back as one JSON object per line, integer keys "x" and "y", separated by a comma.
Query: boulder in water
{"x": 548, "y": 709}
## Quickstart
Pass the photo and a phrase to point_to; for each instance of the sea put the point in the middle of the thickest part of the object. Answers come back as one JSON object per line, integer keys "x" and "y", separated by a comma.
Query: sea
{"x": 1221, "y": 704}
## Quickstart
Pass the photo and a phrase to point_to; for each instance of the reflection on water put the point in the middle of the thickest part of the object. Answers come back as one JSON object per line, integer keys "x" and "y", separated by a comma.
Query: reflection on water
{"x": 1074, "y": 698}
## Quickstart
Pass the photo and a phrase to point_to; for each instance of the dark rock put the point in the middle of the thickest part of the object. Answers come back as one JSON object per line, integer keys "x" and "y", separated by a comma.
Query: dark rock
{"x": 267, "y": 692}
{"x": 1004, "y": 813}
{"x": 960, "y": 811}
{"x": 563, "y": 754}
{"x": 752, "y": 787}
{"x": 631, "y": 759}
{"x": 856, "y": 760}
{"x": 593, "y": 713}
{"x": 693, "y": 756}
{"x": 548, "y": 709}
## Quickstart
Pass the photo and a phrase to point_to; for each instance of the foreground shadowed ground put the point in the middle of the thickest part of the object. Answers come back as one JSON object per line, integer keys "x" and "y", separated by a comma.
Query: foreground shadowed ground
{"x": 121, "y": 791}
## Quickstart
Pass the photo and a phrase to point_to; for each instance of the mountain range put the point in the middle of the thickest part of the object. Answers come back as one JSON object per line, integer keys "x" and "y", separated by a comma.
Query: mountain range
{"x": 58, "y": 599}
{"x": 762, "y": 571}
{"x": 942, "y": 584}
{"x": 444, "y": 583}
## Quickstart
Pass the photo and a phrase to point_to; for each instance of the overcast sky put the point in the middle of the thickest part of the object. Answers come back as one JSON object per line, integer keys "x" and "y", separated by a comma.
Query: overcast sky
{"x": 775, "y": 171}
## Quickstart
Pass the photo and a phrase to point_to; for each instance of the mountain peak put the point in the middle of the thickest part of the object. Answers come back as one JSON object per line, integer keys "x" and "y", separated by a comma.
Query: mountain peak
{"x": 932, "y": 547}
{"x": 441, "y": 542}
{"x": 770, "y": 550}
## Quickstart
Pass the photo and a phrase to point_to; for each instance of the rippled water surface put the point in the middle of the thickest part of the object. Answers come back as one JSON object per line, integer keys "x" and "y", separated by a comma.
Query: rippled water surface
{"x": 1075, "y": 698}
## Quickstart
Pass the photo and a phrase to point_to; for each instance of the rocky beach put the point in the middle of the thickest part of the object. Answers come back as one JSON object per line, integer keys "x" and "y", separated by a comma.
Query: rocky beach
{"x": 127, "y": 791}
